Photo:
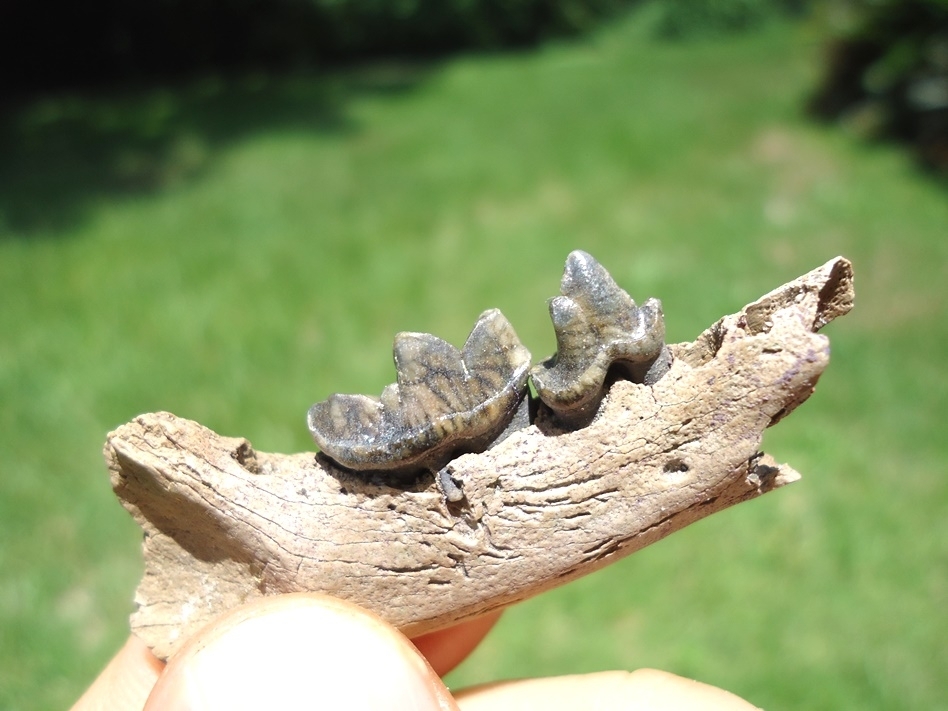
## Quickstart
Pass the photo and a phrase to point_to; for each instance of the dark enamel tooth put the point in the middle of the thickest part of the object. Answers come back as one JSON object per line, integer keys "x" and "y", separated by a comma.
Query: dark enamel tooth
{"x": 598, "y": 327}
{"x": 444, "y": 401}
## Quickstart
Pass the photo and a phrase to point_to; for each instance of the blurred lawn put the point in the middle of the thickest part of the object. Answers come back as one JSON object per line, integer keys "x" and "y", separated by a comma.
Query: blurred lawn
{"x": 234, "y": 251}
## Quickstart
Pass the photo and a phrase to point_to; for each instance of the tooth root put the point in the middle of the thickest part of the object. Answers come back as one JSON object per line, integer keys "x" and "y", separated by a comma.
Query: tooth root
{"x": 597, "y": 326}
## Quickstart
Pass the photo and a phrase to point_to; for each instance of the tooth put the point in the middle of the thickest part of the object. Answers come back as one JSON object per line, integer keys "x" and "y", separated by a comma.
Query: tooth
{"x": 444, "y": 401}
{"x": 598, "y": 326}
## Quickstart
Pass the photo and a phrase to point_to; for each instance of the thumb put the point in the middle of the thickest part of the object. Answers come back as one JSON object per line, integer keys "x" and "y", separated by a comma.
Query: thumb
{"x": 299, "y": 652}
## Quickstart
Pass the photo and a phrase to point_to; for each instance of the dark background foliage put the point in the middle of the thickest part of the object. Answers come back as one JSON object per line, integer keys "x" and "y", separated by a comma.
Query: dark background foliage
{"x": 887, "y": 75}
{"x": 682, "y": 19}
{"x": 105, "y": 42}
{"x": 58, "y": 45}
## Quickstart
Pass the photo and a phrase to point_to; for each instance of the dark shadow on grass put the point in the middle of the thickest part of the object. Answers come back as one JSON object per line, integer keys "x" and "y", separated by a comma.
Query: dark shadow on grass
{"x": 61, "y": 154}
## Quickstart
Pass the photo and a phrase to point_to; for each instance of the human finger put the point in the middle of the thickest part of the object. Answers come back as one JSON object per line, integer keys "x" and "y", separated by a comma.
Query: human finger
{"x": 642, "y": 690}
{"x": 124, "y": 685}
{"x": 447, "y": 648}
{"x": 125, "y": 682}
{"x": 299, "y": 651}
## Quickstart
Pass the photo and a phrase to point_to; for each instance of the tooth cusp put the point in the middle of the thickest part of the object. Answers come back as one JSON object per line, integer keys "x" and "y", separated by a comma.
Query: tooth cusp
{"x": 443, "y": 401}
{"x": 598, "y": 327}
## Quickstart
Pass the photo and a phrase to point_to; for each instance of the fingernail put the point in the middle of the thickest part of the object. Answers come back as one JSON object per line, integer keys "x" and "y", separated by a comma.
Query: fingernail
{"x": 301, "y": 657}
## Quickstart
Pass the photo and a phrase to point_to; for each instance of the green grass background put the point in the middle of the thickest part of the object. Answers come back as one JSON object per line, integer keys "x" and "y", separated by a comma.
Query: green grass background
{"x": 233, "y": 251}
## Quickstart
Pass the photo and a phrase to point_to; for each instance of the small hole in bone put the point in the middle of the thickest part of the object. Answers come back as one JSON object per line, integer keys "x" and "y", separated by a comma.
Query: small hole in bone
{"x": 676, "y": 466}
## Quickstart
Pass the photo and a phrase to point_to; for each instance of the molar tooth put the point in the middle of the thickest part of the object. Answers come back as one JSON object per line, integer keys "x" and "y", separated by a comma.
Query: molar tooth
{"x": 597, "y": 326}
{"x": 444, "y": 400}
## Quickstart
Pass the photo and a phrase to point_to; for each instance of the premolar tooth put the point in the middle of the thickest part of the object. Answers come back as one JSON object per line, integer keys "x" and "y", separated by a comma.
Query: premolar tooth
{"x": 444, "y": 401}
{"x": 597, "y": 326}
